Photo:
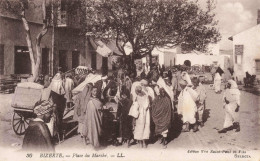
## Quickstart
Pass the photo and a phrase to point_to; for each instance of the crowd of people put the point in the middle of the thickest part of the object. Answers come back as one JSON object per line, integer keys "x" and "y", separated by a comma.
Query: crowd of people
{"x": 132, "y": 107}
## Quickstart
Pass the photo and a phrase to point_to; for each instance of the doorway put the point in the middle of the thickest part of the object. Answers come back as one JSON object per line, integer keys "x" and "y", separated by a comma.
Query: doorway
{"x": 104, "y": 65}
{"x": 22, "y": 60}
{"x": 63, "y": 60}
{"x": 93, "y": 60}
{"x": 75, "y": 59}
{"x": 45, "y": 61}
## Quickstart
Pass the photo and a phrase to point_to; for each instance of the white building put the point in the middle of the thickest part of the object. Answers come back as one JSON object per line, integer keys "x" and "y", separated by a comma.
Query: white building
{"x": 174, "y": 56}
{"x": 246, "y": 52}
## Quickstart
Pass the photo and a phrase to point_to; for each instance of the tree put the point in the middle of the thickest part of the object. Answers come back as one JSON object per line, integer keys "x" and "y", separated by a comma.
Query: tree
{"x": 146, "y": 24}
{"x": 18, "y": 8}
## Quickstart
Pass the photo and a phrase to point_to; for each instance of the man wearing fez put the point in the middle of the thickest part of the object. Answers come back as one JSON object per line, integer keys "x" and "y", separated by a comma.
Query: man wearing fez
{"x": 103, "y": 86}
{"x": 37, "y": 136}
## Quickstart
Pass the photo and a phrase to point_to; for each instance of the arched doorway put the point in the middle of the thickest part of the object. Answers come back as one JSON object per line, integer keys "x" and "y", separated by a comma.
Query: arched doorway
{"x": 187, "y": 63}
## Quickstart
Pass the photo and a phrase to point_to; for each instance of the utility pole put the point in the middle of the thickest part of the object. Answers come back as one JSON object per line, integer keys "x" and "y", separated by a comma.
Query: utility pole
{"x": 52, "y": 39}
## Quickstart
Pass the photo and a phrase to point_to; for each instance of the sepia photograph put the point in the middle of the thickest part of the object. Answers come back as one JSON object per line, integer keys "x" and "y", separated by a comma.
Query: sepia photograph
{"x": 130, "y": 80}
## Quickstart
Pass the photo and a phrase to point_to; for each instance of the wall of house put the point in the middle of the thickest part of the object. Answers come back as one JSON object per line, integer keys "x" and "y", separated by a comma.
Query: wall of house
{"x": 250, "y": 39}
{"x": 69, "y": 39}
{"x": 13, "y": 34}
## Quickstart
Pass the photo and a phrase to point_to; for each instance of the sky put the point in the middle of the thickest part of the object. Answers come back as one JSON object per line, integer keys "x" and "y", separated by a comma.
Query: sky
{"x": 235, "y": 16}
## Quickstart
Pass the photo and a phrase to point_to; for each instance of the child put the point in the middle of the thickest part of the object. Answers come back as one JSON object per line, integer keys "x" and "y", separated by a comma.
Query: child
{"x": 231, "y": 101}
{"x": 200, "y": 89}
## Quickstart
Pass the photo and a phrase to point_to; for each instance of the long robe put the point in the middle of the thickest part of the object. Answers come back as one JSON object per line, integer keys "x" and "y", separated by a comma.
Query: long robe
{"x": 142, "y": 127}
{"x": 201, "y": 101}
{"x": 161, "y": 114}
{"x": 81, "y": 106}
{"x": 94, "y": 121}
{"x": 37, "y": 137}
{"x": 217, "y": 82}
{"x": 187, "y": 106}
{"x": 233, "y": 96}
{"x": 69, "y": 85}
{"x": 125, "y": 120}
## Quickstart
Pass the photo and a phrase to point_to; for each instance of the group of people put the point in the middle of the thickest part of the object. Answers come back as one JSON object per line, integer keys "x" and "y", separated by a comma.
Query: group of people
{"x": 136, "y": 106}
{"x": 146, "y": 103}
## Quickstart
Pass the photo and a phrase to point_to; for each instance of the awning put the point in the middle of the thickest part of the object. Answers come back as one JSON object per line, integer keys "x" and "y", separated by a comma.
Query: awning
{"x": 100, "y": 47}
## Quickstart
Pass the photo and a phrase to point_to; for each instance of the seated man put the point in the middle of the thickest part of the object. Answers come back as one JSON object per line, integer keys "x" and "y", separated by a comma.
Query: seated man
{"x": 37, "y": 136}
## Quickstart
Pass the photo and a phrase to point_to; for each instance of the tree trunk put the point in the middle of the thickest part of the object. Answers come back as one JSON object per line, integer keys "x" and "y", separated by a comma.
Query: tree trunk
{"x": 35, "y": 62}
{"x": 38, "y": 42}
{"x": 29, "y": 43}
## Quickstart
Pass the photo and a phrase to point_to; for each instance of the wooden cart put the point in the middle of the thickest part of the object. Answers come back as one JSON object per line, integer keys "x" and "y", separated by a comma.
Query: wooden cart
{"x": 25, "y": 96}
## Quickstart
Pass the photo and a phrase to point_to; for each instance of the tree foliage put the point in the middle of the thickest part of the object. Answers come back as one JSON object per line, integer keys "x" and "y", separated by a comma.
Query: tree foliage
{"x": 146, "y": 24}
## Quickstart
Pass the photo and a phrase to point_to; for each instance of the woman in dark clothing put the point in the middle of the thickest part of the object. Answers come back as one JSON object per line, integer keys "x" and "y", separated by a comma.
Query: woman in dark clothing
{"x": 37, "y": 136}
{"x": 125, "y": 120}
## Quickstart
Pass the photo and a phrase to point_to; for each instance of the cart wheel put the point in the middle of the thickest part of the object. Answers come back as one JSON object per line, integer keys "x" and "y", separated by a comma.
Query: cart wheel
{"x": 20, "y": 123}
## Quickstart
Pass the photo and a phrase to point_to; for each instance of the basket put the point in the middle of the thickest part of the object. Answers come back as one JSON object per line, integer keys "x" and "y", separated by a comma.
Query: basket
{"x": 25, "y": 97}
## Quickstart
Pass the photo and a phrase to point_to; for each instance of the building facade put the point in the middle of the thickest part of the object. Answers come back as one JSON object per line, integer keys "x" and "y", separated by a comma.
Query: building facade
{"x": 246, "y": 52}
{"x": 63, "y": 46}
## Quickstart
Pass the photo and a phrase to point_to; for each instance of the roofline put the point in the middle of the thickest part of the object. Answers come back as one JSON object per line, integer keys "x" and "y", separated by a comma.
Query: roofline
{"x": 231, "y": 37}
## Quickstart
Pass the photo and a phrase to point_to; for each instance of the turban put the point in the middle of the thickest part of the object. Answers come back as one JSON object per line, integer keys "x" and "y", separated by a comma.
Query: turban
{"x": 144, "y": 82}
{"x": 104, "y": 77}
{"x": 233, "y": 84}
{"x": 43, "y": 107}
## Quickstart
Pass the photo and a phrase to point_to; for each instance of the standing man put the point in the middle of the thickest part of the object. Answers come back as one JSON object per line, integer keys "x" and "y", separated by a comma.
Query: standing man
{"x": 231, "y": 105}
{"x": 57, "y": 97}
{"x": 101, "y": 85}
{"x": 161, "y": 114}
{"x": 69, "y": 85}
{"x": 37, "y": 136}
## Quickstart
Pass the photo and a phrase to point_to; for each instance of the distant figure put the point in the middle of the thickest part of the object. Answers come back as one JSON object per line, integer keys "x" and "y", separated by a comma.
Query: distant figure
{"x": 69, "y": 85}
{"x": 217, "y": 80}
{"x": 37, "y": 136}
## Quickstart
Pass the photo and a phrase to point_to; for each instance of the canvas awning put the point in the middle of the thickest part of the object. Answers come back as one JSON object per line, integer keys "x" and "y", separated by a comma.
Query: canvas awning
{"x": 100, "y": 47}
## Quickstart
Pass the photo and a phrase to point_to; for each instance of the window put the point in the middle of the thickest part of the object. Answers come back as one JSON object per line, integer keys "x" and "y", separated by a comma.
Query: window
{"x": 239, "y": 49}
